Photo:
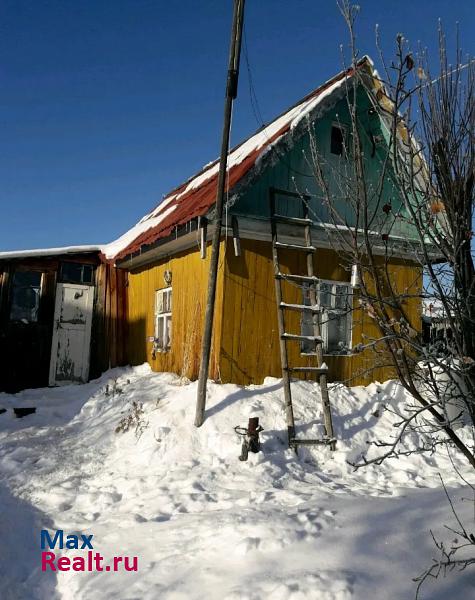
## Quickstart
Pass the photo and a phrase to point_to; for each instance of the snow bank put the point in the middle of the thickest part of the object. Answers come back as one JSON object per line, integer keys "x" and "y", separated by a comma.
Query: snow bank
{"x": 204, "y": 524}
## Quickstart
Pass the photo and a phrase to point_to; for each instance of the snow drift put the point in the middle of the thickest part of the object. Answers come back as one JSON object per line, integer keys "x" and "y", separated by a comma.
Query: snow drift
{"x": 120, "y": 458}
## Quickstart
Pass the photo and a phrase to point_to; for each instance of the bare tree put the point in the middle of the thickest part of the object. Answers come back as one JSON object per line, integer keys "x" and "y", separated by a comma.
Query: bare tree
{"x": 452, "y": 556}
{"x": 416, "y": 209}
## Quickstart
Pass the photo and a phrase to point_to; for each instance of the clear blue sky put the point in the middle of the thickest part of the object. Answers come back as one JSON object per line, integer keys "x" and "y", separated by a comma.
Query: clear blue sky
{"x": 107, "y": 105}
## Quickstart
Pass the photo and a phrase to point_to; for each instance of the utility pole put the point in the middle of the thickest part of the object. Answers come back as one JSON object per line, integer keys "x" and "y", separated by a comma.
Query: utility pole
{"x": 231, "y": 93}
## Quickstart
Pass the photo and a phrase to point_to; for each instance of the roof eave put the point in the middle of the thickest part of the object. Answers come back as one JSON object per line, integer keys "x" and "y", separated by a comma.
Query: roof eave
{"x": 254, "y": 228}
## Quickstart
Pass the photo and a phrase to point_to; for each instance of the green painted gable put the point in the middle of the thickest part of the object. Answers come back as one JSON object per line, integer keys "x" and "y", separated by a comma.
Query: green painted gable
{"x": 289, "y": 166}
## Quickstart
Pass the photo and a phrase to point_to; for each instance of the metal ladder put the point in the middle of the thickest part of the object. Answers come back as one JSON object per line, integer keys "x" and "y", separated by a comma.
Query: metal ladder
{"x": 320, "y": 370}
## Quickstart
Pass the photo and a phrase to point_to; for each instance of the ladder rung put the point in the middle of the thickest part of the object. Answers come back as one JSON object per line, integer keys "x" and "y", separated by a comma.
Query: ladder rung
{"x": 309, "y": 278}
{"x": 301, "y": 338}
{"x": 291, "y": 220}
{"x": 295, "y": 247}
{"x": 301, "y": 307}
{"x": 323, "y": 441}
{"x": 316, "y": 370}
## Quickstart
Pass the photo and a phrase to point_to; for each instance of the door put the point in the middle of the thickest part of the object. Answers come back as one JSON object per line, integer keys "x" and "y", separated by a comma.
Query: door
{"x": 71, "y": 334}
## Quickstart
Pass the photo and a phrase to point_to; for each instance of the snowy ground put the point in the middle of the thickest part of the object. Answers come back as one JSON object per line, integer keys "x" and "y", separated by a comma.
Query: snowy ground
{"x": 202, "y": 523}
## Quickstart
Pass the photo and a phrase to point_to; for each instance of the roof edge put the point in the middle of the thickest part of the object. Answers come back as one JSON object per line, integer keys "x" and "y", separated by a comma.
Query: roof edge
{"x": 38, "y": 252}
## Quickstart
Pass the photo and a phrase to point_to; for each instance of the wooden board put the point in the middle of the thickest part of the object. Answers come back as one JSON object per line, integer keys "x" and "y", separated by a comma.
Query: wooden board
{"x": 250, "y": 351}
{"x": 189, "y": 290}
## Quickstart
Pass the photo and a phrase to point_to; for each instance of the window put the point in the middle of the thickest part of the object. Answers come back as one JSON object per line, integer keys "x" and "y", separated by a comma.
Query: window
{"x": 72, "y": 272}
{"x": 163, "y": 319}
{"x": 338, "y": 140}
{"x": 335, "y": 300}
{"x": 25, "y": 296}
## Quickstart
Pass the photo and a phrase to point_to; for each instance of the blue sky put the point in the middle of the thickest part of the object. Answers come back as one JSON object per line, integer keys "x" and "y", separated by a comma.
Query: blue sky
{"x": 106, "y": 106}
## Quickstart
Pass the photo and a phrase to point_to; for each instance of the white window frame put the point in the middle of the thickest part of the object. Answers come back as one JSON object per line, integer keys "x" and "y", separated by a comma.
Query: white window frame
{"x": 163, "y": 316}
{"x": 333, "y": 310}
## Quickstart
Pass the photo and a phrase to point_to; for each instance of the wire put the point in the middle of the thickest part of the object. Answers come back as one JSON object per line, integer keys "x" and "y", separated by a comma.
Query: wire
{"x": 260, "y": 121}
{"x": 257, "y": 112}
{"x": 241, "y": 430}
{"x": 226, "y": 204}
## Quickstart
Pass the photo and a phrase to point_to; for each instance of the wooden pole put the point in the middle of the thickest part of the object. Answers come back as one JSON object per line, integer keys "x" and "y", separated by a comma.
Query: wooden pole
{"x": 231, "y": 93}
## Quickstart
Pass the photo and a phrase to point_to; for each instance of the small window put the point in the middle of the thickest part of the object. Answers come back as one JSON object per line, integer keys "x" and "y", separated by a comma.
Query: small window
{"x": 335, "y": 300}
{"x": 163, "y": 319}
{"x": 72, "y": 272}
{"x": 338, "y": 140}
{"x": 25, "y": 296}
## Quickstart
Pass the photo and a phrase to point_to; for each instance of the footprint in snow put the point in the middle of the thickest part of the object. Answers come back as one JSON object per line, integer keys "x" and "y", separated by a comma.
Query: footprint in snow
{"x": 140, "y": 519}
{"x": 247, "y": 545}
{"x": 161, "y": 518}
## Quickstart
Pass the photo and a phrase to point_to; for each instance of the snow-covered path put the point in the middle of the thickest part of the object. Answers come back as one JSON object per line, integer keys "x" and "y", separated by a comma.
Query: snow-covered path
{"x": 203, "y": 524}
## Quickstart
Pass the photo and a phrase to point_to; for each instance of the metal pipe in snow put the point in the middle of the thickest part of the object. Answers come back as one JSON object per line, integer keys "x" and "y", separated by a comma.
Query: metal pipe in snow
{"x": 231, "y": 93}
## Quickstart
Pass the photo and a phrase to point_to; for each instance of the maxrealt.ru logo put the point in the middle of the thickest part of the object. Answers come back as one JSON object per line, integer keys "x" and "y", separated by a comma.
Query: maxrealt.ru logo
{"x": 90, "y": 561}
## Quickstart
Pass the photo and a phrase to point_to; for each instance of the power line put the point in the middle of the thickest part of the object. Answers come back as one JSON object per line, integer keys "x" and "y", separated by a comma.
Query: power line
{"x": 258, "y": 114}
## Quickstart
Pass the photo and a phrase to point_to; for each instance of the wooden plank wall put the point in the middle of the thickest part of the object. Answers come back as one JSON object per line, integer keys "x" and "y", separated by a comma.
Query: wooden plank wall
{"x": 250, "y": 344}
{"x": 108, "y": 336}
{"x": 109, "y": 329}
{"x": 189, "y": 292}
{"x": 25, "y": 349}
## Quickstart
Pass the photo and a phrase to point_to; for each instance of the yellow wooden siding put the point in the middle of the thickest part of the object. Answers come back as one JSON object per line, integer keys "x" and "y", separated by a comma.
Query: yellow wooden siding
{"x": 250, "y": 343}
{"x": 245, "y": 341}
{"x": 189, "y": 292}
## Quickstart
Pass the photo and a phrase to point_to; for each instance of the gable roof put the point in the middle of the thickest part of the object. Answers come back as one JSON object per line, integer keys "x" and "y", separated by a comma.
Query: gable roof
{"x": 197, "y": 196}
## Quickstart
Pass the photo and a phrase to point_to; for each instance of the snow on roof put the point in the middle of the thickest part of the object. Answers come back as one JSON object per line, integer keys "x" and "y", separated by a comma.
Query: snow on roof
{"x": 196, "y": 196}
{"x": 49, "y": 251}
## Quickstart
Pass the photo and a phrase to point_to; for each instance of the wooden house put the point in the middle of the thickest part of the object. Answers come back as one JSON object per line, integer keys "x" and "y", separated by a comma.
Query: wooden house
{"x": 167, "y": 264}
{"x": 62, "y": 316}
{"x": 68, "y": 314}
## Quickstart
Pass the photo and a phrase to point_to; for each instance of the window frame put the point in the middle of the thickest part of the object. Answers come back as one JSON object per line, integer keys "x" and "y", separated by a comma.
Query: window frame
{"x": 344, "y": 134}
{"x": 328, "y": 311}
{"x": 163, "y": 345}
{"x": 39, "y": 295}
{"x": 63, "y": 279}
{"x": 11, "y": 294}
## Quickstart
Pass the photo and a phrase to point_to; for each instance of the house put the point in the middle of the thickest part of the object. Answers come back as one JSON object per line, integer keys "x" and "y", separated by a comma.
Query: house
{"x": 61, "y": 316}
{"x": 67, "y": 314}
{"x": 166, "y": 261}
{"x": 436, "y": 324}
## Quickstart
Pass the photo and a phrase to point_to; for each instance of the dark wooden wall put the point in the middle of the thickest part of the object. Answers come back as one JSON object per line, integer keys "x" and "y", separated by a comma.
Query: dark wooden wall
{"x": 25, "y": 349}
{"x": 109, "y": 327}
